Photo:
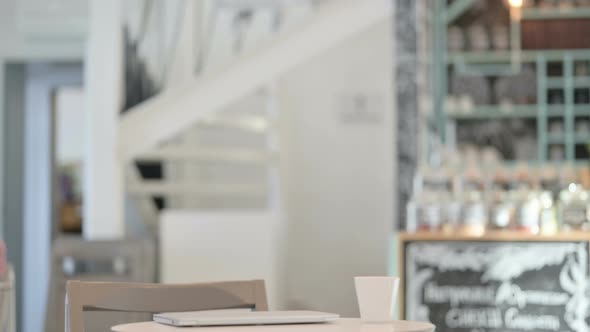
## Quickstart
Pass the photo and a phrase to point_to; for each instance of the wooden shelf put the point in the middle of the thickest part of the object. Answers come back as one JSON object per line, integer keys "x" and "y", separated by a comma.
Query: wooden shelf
{"x": 496, "y": 112}
{"x": 581, "y": 82}
{"x": 556, "y": 139}
{"x": 582, "y": 110}
{"x": 486, "y": 112}
{"x": 494, "y": 236}
{"x": 495, "y": 63}
{"x": 555, "y": 13}
{"x": 505, "y": 56}
{"x": 559, "y": 82}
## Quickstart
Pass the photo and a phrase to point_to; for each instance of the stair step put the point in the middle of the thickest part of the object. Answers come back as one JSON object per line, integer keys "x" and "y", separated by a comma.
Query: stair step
{"x": 252, "y": 123}
{"x": 158, "y": 187}
{"x": 187, "y": 153}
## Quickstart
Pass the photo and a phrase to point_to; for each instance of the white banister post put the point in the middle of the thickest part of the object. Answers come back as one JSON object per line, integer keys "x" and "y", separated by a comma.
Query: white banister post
{"x": 103, "y": 80}
{"x": 183, "y": 63}
{"x": 180, "y": 72}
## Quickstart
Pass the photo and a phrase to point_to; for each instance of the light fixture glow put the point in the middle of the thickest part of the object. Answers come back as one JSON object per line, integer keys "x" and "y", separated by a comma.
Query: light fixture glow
{"x": 515, "y": 3}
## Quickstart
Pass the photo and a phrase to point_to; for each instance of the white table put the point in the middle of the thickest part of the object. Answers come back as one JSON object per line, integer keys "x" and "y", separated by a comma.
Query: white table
{"x": 341, "y": 325}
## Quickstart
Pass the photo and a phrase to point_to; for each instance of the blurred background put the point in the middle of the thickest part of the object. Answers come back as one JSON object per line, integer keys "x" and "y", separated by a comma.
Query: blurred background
{"x": 303, "y": 142}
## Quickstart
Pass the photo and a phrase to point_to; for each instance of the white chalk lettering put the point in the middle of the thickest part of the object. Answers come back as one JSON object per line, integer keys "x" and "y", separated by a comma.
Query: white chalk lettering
{"x": 514, "y": 295}
{"x": 514, "y": 320}
{"x": 474, "y": 318}
{"x": 457, "y": 295}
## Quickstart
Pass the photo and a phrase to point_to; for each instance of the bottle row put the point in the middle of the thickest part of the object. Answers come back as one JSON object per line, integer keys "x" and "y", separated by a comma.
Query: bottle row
{"x": 521, "y": 201}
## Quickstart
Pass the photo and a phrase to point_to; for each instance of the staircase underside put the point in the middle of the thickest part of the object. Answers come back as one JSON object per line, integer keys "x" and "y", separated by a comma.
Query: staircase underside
{"x": 153, "y": 122}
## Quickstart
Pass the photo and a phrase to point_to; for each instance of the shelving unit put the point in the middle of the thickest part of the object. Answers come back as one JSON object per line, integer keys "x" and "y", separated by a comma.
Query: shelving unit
{"x": 542, "y": 112}
{"x": 494, "y": 112}
{"x": 481, "y": 57}
{"x": 554, "y": 13}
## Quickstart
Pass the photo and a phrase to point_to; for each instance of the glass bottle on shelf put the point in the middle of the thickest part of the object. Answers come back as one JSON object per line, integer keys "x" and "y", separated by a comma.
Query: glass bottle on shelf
{"x": 530, "y": 208}
{"x": 526, "y": 201}
{"x": 452, "y": 213}
{"x": 450, "y": 204}
{"x": 474, "y": 218}
{"x": 550, "y": 187}
{"x": 431, "y": 200}
{"x": 453, "y": 206}
{"x": 548, "y": 215}
{"x": 501, "y": 206}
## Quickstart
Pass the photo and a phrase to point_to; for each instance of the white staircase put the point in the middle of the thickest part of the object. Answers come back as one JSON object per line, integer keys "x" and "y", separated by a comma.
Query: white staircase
{"x": 213, "y": 90}
{"x": 222, "y": 163}
{"x": 210, "y": 126}
{"x": 213, "y": 125}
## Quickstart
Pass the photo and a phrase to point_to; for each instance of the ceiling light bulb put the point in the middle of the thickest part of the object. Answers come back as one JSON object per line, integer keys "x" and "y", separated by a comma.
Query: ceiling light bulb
{"x": 515, "y": 3}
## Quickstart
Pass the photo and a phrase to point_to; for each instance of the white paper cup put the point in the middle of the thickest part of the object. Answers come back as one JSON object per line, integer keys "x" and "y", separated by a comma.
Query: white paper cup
{"x": 376, "y": 297}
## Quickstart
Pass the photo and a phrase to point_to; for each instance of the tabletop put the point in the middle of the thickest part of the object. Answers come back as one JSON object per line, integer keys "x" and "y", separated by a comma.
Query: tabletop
{"x": 341, "y": 325}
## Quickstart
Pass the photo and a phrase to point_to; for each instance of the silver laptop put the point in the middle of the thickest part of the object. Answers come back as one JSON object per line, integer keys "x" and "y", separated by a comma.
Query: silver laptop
{"x": 222, "y": 317}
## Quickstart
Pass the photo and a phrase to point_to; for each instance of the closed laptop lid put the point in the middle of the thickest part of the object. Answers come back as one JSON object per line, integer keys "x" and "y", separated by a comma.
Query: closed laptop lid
{"x": 225, "y": 317}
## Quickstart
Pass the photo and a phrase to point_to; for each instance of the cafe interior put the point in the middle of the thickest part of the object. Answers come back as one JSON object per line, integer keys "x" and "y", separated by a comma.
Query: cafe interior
{"x": 294, "y": 165}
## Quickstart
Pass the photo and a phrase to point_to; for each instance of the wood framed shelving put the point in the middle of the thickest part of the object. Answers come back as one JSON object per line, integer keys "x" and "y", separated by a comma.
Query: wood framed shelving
{"x": 572, "y": 85}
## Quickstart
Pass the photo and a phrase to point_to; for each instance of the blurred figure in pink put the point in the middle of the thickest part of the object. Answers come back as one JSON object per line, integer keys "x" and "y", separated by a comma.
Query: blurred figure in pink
{"x": 3, "y": 261}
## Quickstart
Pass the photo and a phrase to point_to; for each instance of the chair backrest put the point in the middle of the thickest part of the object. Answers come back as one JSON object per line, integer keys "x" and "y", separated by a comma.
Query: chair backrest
{"x": 73, "y": 258}
{"x": 152, "y": 298}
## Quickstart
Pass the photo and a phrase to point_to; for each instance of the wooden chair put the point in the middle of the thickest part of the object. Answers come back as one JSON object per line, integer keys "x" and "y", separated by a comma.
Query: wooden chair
{"x": 153, "y": 298}
{"x": 74, "y": 258}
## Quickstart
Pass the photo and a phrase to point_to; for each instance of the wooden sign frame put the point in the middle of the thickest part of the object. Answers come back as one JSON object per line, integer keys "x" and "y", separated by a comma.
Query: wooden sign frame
{"x": 493, "y": 236}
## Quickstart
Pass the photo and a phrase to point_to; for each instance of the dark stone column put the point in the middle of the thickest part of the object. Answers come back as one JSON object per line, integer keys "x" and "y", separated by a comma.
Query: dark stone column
{"x": 406, "y": 103}
{"x": 14, "y": 142}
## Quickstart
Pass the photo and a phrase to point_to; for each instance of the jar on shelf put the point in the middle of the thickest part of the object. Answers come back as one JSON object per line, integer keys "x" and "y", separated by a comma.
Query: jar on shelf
{"x": 556, "y": 153}
{"x": 528, "y": 213}
{"x": 478, "y": 38}
{"x": 428, "y": 212}
{"x": 581, "y": 69}
{"x": 501, "y": 205}
{"x": 573, "y": 209}
{"x": 501, "y": 37}
{"x": 528, "y": 3}
{"x": 435, "y": 199}
{"x": 474, "y": 216}
{"x": 583, "y": 127}
{"x": 455, "y": 39}
{"x": 501, "y": 211}
{"x": 565, "y": 4}
{"x": 546, "y": 4}
{"x": 451, "y": 210}
{"x": 556, "y": 128}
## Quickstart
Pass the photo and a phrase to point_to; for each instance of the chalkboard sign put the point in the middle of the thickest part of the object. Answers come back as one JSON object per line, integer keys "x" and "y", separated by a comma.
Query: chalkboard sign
{"x": 497, "y": 285}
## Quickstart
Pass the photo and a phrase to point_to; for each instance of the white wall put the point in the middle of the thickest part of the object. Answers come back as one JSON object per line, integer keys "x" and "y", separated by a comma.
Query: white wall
{"x": 212, "y": 246}
{"x": 340, "y": 171}
{"x": 69, "y": 126}
{"x": 31, "y": 29}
